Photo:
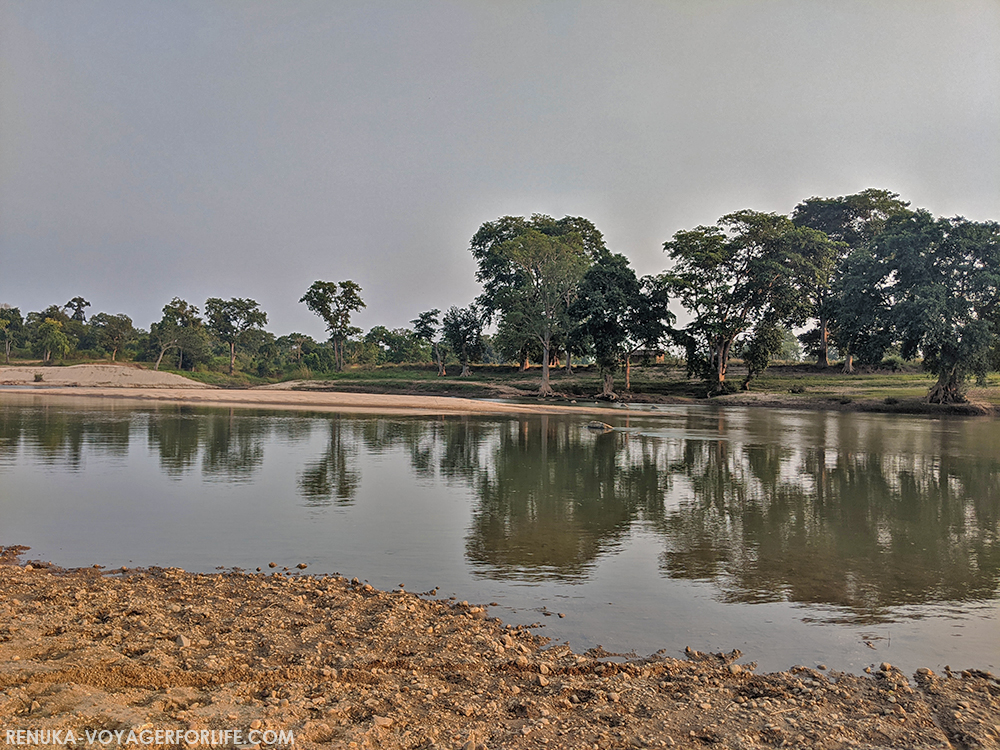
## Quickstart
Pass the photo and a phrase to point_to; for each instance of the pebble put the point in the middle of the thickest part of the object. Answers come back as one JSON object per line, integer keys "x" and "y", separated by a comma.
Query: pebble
{"x": 272, "y": 565}
{"x": 301, "y": 566}
{"x": 183, "y": 641}
{"x": 543, "y": 681}
{"x": 382, "y": 721}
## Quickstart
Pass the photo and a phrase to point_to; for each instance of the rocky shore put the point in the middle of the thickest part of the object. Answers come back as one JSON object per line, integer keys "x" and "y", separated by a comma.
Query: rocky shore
{"x": 336, "y": 663}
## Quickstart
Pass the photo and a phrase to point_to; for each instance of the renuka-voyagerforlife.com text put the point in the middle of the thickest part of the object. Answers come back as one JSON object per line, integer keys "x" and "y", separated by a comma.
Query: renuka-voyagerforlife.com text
{"x": 146, "y": 736}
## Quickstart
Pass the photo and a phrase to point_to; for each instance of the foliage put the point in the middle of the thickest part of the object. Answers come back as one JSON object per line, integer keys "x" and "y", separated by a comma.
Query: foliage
{"x": 77, "y": 305}
{"x": 182, "y": 329}
{"x": 334, "y": 304}
{"x": 852, "y": 222}
{"x": 463, "y": 330}
{"x": 944, "y": 279}
{"x": 113, "y": 331}
{"x": 397, "y": 345}
{"x": 730, "y": 277}
{"x": 51, "y": 341}
{"x": 765, "y": 343}
{"x": 233, "y": 321}
{"x": 549, "y": 269}
{"x": 617, "y": 314}
{"x": 506, "y": 291}
{"x": 11, "y": 328}
{"x": 425, "y": 327}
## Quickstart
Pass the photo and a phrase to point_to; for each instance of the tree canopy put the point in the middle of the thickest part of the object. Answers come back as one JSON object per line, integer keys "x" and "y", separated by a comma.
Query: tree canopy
{"x": 335, "y": 303}
{"x": 233, "y": 321}
{"x": 745, "y": 271}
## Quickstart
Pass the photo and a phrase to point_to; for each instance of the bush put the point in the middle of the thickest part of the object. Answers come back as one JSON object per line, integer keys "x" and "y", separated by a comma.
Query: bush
{"x": 893, "y": 363}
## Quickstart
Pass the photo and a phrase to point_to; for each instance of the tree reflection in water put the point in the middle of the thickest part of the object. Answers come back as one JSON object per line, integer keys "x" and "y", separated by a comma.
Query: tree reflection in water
{"x": 555, "y": 496}
{"x": 855, "y": 515}
{"x": 861, "y": 532}
{"x": 333, "y": 477}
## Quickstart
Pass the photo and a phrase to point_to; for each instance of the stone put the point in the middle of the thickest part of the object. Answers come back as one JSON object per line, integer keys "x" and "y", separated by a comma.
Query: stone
{"x": 272, "y": 565}
{"x": 382, "y": 721}
{"x": 183, "y": 641}
{"x": 301, "y": 566}
{"x": 543, "y": 681}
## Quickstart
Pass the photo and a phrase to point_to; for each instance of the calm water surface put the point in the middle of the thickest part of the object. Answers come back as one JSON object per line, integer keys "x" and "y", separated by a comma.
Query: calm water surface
{"x": 797, "y": 537}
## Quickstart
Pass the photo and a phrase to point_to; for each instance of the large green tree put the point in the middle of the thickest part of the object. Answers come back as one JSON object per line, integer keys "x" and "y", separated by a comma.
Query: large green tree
{"x": 730, "y": 277}
{"x": 550, "y": 270}
{"x": 425, "y": 327}
{"x": 463, "y": 330}
{"x": 335, "y": 303}
{"x": 944, "y": 277}
{"x": 616, "y": 314}
{"x": 78, "y": 305}
{"x": 51, "y": 341}
{"x": 502, "y": 279}
{"x": 180, "y": 328}
{"x": 113, "y": 331}
{"x": 11, "y": 328}
{"x": 233, "y": 322}
{"x": 852, "y": 222}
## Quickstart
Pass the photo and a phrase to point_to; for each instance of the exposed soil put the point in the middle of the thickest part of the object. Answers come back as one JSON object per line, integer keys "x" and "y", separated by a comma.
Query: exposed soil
{"x": 340, "y": 664}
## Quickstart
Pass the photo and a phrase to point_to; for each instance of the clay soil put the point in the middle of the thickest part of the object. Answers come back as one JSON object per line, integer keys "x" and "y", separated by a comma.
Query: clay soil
{"x": 340, "y": 664}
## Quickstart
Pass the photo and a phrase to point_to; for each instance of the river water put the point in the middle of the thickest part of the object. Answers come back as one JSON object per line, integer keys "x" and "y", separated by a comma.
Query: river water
{"x": 842, "y": 539}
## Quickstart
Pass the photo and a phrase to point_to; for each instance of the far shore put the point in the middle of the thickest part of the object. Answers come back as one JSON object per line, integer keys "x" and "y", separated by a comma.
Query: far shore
{"x": 429, "y": 397}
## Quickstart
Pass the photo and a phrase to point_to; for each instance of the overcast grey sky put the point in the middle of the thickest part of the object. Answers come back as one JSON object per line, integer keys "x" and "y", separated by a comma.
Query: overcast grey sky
{"x": 236, "y": 148}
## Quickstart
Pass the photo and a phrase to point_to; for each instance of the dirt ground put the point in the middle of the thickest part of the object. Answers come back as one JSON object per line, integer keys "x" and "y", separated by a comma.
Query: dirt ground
{"x": 339, "y": 664}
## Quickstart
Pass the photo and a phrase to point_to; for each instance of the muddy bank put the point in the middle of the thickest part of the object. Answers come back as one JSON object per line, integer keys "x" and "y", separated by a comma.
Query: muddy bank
{"x": 340, "y": 664}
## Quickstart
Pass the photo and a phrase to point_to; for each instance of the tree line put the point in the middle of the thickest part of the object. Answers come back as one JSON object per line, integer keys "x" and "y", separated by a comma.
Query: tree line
{"x": 864, "y": 276}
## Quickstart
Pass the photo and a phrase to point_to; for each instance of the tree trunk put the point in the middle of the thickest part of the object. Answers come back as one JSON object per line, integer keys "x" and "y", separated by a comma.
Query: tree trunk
{"x": 163, "y": 351}
{"x": 546, "y": 388}
{"x": 628, "y": 372}
{"x": 948, "y": 388}
{"x": 849, "y": 364}
{"x": 608, "y": 391}
{"x": 569, "y": 363}
{"x": 466, "y": 372}
{"x": 440, "y": 361}
{"x": 524, "y": 362}
{"x": 823, "y": 359}
{"x": 113, "y": 353}
{"x": 721, "y": 365}
{"x": 232, "y": 358}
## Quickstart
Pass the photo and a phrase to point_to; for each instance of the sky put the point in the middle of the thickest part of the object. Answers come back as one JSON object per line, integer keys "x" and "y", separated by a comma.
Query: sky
{"x": 237, "y": 148}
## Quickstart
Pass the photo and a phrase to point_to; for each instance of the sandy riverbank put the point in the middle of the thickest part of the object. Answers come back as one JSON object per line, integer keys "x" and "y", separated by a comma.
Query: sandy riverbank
{"x": 340, "y": 664}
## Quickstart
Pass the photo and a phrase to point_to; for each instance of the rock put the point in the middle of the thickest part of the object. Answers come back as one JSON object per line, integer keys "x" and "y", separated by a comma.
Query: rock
{"x": 521, "y": 661}
{"x": 507, "y": 641}
{"x": 543, "y": 681}
{"x": 735, "y": 669}
{"x": 272, "y": 565}
{"x": 885, "y": 666}
{"x": 382, "y": 721}
{"x": 595, "y": 425}
{"x": 183, "y": 641}
{"x": 543, "y": 669}
{"x": 821, "y": 667}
